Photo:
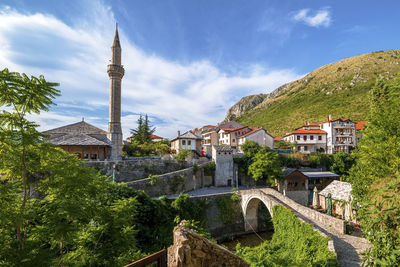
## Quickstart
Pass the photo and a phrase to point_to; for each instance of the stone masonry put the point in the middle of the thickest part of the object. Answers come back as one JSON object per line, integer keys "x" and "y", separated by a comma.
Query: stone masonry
{"x": 192, "y": 250}
{"x": 223, "y": 158}
{"x": 115, "y": 72}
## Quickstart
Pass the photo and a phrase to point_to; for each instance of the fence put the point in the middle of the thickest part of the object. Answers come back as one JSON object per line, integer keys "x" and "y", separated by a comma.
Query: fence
{"x": 158, "y": 259}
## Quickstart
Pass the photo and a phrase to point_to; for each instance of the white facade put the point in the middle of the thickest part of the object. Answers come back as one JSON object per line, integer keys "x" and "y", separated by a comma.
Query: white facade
{"x": 308, "y": 139}
{"x": 230, "y": 137}
{"x": 341, "y": 135}
{"x": 261, "y": 136}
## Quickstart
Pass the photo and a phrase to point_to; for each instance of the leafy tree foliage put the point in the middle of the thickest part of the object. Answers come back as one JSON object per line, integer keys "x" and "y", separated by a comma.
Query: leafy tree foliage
{"x": 342, "y": 163}
{"x": 183, "y": 154}
{"x": 293, "y": 243}
{"x": 375, "y": 175}
{"x": 250, "y": 148}
{"x": 54, "y": 210}
{"x": 266, "y": 166}
{"x": 325, "y": 161}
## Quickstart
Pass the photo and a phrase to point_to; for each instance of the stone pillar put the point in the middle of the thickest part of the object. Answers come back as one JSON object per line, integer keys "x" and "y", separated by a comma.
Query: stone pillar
{"x": 315, "y": 201}
{"x": 115, "y": 72}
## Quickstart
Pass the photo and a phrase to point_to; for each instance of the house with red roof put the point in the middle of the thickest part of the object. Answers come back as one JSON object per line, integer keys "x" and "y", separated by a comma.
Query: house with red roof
{"x": 308, "y": 138}
{"x": 259, "y": 135}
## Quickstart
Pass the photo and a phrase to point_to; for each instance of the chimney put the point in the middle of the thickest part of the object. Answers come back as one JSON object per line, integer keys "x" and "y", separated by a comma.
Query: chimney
{"x": 330, "y": 117}
{"x": 179, "y": 133}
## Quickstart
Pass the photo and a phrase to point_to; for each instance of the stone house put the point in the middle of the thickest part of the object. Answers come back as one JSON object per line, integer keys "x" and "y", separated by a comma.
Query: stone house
{"x": 210, "y": 138}
{"x": 294, "y": 185}
{"x": 341, "y": 135}
{"x": 259, "y": 135}
{"x": 187, "y": 141}
{"x": 229, "y": 136}
{"x": 298, "y": 184}
{"x": 82, "y": 139}
{"x": 341, "y": 199}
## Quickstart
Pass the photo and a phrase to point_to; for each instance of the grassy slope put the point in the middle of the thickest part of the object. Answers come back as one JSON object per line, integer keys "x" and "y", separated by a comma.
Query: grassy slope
{"x": 340, "y": 89}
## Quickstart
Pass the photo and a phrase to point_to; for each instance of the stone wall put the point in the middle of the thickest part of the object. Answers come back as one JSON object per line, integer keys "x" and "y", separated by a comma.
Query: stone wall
{"x": 300, "y": 196}
{"x": 137, "y": 168}
{"x": 314, "y": 215}
{"x": 192, "y": 250}
{"x": 174, "y": 182}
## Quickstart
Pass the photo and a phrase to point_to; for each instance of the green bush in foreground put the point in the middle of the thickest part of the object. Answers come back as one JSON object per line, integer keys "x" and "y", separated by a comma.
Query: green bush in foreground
{"x": 294, "y": 243}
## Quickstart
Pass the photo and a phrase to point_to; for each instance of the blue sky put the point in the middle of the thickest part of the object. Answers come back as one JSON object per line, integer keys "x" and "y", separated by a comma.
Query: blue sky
{"x": 186, "y": 61}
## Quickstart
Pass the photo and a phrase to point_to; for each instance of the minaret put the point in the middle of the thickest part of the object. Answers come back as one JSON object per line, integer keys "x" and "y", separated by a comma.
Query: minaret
{"x": 115, "y": 72}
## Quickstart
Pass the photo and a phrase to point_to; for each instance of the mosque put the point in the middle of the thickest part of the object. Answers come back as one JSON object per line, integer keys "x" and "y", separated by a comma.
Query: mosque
{"x": 88, "y": 141}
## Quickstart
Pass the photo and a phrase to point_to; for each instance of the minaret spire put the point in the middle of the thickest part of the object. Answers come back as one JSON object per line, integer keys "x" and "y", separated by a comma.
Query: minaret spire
{"x": 115, "y": 72}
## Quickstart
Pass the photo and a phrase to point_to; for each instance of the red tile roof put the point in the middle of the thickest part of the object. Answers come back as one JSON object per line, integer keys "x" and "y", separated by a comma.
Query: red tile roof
{"x": 278, "y": 138}
{"x": 254, "y": 129}
{"x": 361, "y": 125}
{"x": 301, "y": 131}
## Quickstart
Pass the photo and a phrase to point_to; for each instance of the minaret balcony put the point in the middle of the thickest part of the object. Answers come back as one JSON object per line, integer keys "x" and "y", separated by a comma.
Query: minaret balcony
{"x": 115, "y": 69}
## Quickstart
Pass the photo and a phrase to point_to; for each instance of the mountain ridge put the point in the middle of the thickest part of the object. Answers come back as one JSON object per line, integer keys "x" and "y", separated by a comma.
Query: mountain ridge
{"x": 339, "y": 88}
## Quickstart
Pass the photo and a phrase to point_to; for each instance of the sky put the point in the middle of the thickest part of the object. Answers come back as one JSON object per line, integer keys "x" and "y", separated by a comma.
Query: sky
{"x": 186, "y": 62}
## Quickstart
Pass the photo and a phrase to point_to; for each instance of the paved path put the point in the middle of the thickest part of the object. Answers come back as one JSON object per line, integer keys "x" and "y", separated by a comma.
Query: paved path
{"x": 348, "y": 248}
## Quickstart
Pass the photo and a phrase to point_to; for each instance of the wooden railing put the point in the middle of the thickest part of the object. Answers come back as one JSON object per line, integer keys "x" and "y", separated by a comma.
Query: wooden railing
{"x": 158, "y": 259}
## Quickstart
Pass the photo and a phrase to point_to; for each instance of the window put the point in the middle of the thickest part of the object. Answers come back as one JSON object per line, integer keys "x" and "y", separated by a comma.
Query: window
{"x": 298, "y": 148}
{"x": 189, "y": 143}
{"x": 183, "y": 142}
{"x": 93, "y": 156}
{"x": 305, "y": 137}
{"x": 298, "y": 137}
{"x": 85, "y": 156}
{"x": 233, "y": 140}
{"x": 305, "y": 148}
{"x": 311, "y": 137}
{"x": 319, "y": 137}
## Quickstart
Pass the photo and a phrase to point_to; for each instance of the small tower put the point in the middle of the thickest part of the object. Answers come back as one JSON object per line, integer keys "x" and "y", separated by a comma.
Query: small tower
{"x": 115, "y": 72}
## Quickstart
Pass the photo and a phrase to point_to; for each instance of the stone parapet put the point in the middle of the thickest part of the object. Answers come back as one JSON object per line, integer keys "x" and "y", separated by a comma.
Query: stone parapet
{"x": 192, "y": 250}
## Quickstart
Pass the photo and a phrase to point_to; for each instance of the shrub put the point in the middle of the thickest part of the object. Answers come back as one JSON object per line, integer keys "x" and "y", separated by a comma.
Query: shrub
{"x": 293, "y": 243}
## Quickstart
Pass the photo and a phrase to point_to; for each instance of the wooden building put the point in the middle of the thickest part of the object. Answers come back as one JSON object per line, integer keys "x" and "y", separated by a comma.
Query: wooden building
{"x": 83, "y": 139}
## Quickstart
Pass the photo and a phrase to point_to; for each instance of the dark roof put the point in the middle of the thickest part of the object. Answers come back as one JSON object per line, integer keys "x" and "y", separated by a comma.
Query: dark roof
{"x": 222, "y": 148}
{"x": 320, "y": 174}
{"x": 78, "y": 134}
{"x": 75, "y": 128}
{"x": 188, "y": 135}
{"x": 116, "y": 39}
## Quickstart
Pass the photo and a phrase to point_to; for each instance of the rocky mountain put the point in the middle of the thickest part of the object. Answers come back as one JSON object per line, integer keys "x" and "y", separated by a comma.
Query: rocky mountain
{"x": 340, "y": 89}
{"x": 244, "y": 104}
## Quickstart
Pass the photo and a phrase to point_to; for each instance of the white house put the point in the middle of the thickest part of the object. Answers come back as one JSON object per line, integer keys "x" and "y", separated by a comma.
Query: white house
{"x": 259, "y": 135}
{"x": 341, "y": 135}
{"x": 309, "y": 138}
{"x": 187, "y": 141}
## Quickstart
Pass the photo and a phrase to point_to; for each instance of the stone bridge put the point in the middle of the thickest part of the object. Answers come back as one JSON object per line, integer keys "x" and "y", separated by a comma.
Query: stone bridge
{"x": 250, "y": 199}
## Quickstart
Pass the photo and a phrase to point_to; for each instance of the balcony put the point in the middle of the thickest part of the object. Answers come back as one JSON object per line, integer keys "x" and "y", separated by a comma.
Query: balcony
{"x": 344, "y": 125}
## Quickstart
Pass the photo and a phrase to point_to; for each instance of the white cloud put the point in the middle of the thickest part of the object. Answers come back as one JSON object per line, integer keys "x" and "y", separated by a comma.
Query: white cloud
{"x": 176, "y": 96}
{"x": 319, "y": 18}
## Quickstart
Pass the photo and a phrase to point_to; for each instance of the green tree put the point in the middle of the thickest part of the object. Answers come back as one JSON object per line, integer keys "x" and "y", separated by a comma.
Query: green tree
{"x": 266, "y": 166}
{"x": 18, "y": 138}
{"x": 250, "y": 148}
{"x": 342, "y": 163}
{"x": 142, "y": 134}
{"x": 375, "y": 175}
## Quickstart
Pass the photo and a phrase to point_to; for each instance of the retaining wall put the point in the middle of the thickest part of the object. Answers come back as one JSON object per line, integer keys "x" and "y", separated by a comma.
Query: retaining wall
{"x": 174, "y": 182}
{"x": 134, "y": 169}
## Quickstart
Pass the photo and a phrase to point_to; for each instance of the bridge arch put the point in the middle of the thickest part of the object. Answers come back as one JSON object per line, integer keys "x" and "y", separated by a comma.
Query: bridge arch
{"x": 250, "y": 209}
